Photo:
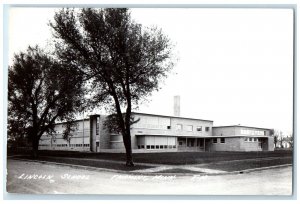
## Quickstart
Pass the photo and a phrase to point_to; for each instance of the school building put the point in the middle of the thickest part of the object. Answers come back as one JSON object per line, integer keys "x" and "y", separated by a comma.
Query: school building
{"x": 160, "y": 133}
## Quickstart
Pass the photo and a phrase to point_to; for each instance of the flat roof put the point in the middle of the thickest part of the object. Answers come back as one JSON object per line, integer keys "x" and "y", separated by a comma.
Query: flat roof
{"x": 77, "y": 120}
{"x": 241, "y": 126}
{"x": 170, "y": 116}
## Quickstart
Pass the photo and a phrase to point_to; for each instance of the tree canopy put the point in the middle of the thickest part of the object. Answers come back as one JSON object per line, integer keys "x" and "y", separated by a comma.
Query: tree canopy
{"x": 124, "y": 61}
{"x": 41, "y": 91}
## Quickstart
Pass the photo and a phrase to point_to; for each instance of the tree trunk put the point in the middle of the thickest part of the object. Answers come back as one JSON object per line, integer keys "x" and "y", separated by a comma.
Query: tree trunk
{"x": 127, "y": 144}
{"x": 35, "y": 148}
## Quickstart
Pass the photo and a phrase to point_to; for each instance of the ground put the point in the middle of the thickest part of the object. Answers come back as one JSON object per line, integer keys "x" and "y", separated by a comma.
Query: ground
{"x": 170, "y": 162}
{"x": 57, "y": 179}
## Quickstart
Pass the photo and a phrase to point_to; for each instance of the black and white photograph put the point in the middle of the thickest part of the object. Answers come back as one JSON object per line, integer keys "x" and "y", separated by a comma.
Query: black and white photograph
{"x": 150, "y": 100}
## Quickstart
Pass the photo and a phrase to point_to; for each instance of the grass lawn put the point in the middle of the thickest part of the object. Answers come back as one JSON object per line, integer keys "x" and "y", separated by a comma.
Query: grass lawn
{"x": 248, "y": 164}
{"x": 82, "y": 162}
{"x": 174, "y": 158}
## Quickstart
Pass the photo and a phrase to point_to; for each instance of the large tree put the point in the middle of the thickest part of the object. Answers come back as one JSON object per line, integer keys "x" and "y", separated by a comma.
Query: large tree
{"x": 41, "y": 91}
{"x": 124, "y": 61}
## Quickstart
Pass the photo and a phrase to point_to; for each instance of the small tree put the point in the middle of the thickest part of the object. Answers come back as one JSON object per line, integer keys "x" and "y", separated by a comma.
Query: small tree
{"x": 124, "y": 61}
{"x": 41, "y": 90}
{"x": 290, "y": 140}
{"x": 278, "y": 138}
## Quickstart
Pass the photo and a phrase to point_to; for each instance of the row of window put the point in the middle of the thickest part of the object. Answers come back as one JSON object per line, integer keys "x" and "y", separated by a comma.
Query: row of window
{"x": 74, "y": 132}
{"x": 190, "y": 128}
{"x": 157, "y": 146}
{"x": 247, "y": 139}
{"x": 250, "y": 139}
{"x": 59, "y": 145}
{"x": 192, "y": 143}
{"x": 65, "y": 145}
{"x": 215, "y": 140}
{"x": 79, "y": 145}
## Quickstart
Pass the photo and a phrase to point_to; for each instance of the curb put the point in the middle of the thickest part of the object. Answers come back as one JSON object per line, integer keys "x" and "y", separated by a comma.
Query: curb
{"x": 154, "y": 173}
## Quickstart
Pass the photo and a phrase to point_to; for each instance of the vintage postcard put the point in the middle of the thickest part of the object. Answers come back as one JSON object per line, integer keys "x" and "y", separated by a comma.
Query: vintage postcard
{"x": 150, "y": 100}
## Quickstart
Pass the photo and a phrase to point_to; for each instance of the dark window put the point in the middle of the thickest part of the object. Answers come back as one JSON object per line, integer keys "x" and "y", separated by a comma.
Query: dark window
{"x": 139, "y": 147}
{"x": 199, "y": 128}
{"x": 174, "y": 146}
{"x": 97, "y": 125}
{"x": 142, "y": 146}
{"x": 161, "y": 147}
{"x": 165, "y": 146}
{"x": 168, "y": 127}
{"x": 215, "y": 140}
{"x": 156, "y": 146}
{"x": 152, "y": 146}
{"x": 148, "y": 146}
{"x": 206, "y": 129}
{"x": 222, "y": 140}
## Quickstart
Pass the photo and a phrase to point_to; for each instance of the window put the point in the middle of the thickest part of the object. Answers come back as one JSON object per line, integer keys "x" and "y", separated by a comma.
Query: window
{"x": 250, "y": 139}
{"x": 170, "y": 146}
{"x": 97, "y": 125}
{"x": 180, "y": 143}
{"x": 265, "y": 132}
{"x": 206, "y": 129}
{"x": 142, "y": 146}
{"x": 246, "y": 139}
{"x": 199, "y": 128}
{"x": 168, "y": 127}
{"x": 161, "y": 147}
{"x": 174, "y": 146}
{"x": 215, "y": 140}
{"x": 156, "y": 146}
{"x": 189, "y": 128}
{"x": 222, "y": 140}
{"x": 139, "y": 147}
{"x": 255, "y": 139}
{"x": 148, "y": 146}
{"x": 179, "y": 127}
{"x": 165, "y": 146}
{"x": 152, "y": 146}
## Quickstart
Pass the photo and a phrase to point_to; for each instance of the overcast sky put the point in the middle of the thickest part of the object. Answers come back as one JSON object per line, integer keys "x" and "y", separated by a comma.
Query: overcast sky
{"x": 235, "y": 66}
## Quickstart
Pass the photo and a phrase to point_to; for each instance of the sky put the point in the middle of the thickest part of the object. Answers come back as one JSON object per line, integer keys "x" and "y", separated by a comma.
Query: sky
{"x": 235, "y": 66}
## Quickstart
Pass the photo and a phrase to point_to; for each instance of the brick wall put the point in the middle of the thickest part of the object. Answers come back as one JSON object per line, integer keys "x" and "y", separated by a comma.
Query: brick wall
{"x": 231, "y": 144}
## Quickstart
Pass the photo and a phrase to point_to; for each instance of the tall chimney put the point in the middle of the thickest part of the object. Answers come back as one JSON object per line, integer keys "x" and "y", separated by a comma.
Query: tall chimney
{"x": 176, "y": 105}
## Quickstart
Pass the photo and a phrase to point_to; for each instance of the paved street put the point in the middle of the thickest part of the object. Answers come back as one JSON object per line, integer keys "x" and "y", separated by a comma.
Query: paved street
{"x": 36, "y": 178}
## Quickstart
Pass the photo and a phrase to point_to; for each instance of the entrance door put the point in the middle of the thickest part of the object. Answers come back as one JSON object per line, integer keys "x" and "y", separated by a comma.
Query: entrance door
{"x": 200, "y": 143}
{"x": 207, "y": 144}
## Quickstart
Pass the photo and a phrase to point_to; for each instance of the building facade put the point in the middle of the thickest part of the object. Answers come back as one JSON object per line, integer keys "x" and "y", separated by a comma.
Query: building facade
{"x": 159, "y": 133}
